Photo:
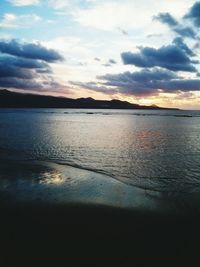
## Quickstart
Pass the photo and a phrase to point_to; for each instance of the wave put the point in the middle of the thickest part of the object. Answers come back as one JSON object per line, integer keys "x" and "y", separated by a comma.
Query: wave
{"x": 146, "y": 184}
{"x": 77, "y": 166}
{"x": 157, "y": 184}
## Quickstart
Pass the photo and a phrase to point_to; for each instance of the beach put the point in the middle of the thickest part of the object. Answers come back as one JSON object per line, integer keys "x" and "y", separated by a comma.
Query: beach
{"x": 53, "y": 215}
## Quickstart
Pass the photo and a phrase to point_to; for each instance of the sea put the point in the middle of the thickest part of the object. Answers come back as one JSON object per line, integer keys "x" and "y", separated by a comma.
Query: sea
{"x": 151, "y": 149}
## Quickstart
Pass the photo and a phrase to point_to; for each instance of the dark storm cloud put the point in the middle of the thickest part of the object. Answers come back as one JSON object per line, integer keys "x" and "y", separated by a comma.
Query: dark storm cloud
{"x": 175, "y": 57}
{"x": 93, "y": 86}
{"x": 26, "y": 84}
{"x": 194, "y": 14}
{"x": 140, "y": 76}
{"x": 29, "y": 50}
{"x": 16, "y": 83}
{"x": 142, "y": 83}
{"x": 22, "y": 68}
{"x": 185, "y": 31}
{"x": 26, "y": 66}
{"x": 147, "y": 82}
{"x": 183, "y": 85}
{"x": 12, "y": 71}
{"x": 168, "y": 19}
{"x": 7, "y": 60}
{"x": 178, "y": 41}
{"x": 21, "y": 71}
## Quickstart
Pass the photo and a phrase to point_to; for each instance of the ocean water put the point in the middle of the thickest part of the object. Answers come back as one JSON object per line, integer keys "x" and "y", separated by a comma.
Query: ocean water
{"x": 152, "y": 149}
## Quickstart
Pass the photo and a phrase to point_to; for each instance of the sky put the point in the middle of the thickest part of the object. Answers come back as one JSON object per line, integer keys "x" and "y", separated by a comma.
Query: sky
{"x": 141, "y": 51}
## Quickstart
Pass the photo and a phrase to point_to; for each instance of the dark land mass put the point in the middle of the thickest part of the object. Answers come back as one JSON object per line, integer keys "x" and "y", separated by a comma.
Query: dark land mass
{"x": 86, "y": 235}
{"x": 10, "y": 99}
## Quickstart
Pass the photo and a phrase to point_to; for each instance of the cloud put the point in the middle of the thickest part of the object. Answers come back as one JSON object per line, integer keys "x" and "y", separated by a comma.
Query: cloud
{"x": 183, "y": 85}
{"x": 12, "y": 21}
{"x": 24, "y": 2}
{"x": 22, "y": 68}
{"x": 178, "y": 41}
{"x": 29, "y": 50}
{"x": 160, "y": 66}
{"x": 93, "y": 86}
{"x": 24, "y": 63}
{"x": 58, "y": 4}
{"x": 141, "y": 76}
{"x": 109, "y": 63}
{"x": 124, "y": 32}
{"x": 106, "y": 65}
{"x": 168, "y": 19}
{"x": 26, "y": 66}
{"x": 13, "y": 71}
{"x": 194, "y": 14}
{"x": 142, "y": 83}
{"x": 97, "y": 59}
{"x": 33, "y": 85}
{"x": 154, "y": 35}
{"x": 112, "y": 61}
{"x": 185, "y": 31}
{"x": 175, "y": 57}
{"x": 111, "y": 15}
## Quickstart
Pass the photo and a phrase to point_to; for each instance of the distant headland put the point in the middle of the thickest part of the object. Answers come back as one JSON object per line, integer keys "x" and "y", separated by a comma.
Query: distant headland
{"x": 9, "y": 99}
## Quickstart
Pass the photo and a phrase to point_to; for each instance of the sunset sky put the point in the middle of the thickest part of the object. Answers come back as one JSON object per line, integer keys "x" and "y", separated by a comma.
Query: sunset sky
{"x": 142, "y": 51}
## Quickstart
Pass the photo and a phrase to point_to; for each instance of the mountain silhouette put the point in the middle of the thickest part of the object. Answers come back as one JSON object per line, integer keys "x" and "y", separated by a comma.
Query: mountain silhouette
{"x": 9, "y": 99}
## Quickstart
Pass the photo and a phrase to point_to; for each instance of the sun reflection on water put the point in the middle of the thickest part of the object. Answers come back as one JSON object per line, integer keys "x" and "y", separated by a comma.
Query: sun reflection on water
{"x": 52, "y": 177}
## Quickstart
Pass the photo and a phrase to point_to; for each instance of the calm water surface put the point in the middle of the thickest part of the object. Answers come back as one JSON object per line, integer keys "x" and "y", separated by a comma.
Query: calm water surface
{"x": 157, "y": 150}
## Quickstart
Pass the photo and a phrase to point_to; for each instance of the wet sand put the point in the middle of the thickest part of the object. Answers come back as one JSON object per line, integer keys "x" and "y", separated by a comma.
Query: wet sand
{"x": 54, "y": 215}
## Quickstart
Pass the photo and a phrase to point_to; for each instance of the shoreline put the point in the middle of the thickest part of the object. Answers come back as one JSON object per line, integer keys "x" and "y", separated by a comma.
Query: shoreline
{"x": 47, "y": 183}
{"x": 79, "y": 222}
